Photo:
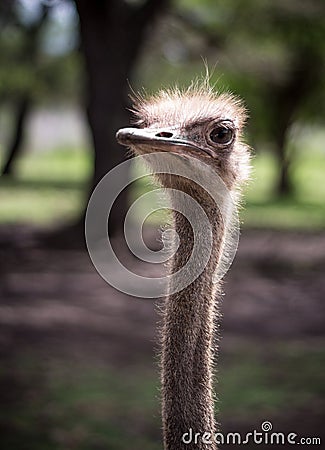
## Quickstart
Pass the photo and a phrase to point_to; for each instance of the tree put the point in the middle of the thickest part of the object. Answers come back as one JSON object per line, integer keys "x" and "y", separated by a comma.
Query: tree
{"x": 112, "y": 33}
{"x": 28, "y": 52}
{"x": 301, "y": 31}
{"x": 30, "y": 71}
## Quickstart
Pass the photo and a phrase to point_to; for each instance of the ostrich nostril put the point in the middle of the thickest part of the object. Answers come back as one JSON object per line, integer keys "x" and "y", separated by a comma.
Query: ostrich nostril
{"x": 165, "y": 134}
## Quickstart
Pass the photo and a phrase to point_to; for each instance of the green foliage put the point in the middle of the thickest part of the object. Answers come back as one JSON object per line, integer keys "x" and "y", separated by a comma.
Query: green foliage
{"x": 26, "y": 64}
{"x": 259, "y": 48}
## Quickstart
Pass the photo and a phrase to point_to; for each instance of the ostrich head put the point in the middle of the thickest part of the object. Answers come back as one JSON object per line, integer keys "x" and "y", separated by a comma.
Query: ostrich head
{"x": 195, "y": 122}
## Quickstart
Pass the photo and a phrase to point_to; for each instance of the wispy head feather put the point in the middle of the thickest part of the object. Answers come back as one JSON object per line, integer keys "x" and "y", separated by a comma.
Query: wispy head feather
{"x": 179, "y": 106}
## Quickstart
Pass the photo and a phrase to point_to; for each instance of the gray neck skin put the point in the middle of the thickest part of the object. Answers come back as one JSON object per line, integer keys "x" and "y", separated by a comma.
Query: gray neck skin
{"x": 187, "y": 347}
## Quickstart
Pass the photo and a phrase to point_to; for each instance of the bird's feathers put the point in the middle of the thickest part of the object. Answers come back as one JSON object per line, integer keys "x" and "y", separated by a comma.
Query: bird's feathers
{"x": 175, "y": 106}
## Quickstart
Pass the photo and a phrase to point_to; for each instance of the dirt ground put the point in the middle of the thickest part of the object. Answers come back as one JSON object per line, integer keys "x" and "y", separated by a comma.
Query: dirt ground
{"x": 54, "y": 302}
{"x": 275, "y": 288}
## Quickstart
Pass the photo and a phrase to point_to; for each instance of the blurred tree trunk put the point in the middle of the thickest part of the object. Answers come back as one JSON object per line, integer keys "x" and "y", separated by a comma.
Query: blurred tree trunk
{"x": 286, "y": 101}
{"x": 111, "y": 36}
{"x": 15, "y": 147}
{"x": 23, "y": 101}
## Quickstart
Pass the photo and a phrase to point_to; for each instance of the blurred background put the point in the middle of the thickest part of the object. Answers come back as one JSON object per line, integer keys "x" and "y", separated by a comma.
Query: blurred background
{"x": 78, "y": 360}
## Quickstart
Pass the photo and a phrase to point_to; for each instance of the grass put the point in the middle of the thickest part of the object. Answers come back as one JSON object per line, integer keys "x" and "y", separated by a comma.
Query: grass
{"x": 49, "y": 187}
{"x": 279, "y": 378}
{"x": 73, "y": 405}
{"x": 52, "y": 187}
{"x": 306, "y": 209}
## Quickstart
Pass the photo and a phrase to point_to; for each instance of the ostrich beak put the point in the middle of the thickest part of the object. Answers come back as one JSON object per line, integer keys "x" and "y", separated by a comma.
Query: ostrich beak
{"x": 164, "y": 139}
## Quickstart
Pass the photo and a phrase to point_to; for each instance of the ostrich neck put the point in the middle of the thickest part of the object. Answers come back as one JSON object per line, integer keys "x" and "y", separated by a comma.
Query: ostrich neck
{"x": 187, "y": 347}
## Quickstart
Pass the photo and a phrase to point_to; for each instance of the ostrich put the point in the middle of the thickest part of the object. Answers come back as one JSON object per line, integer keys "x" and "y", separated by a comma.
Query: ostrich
{"x": 201, "y": 124}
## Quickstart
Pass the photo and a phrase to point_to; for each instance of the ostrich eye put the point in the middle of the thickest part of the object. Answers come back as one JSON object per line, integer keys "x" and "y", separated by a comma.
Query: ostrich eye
{"x": 222, "y": 134}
